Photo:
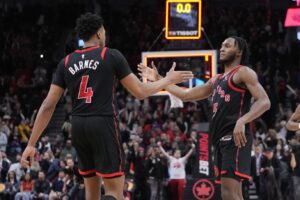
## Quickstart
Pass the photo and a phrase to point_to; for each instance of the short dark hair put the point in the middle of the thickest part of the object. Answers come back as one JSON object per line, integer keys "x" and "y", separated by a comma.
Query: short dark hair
{"x": 243, "y": 46}
{"x": 87, "y": 25}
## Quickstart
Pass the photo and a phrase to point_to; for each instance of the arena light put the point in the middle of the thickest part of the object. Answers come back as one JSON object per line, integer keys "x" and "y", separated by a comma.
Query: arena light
{"x": 292, "y": 17}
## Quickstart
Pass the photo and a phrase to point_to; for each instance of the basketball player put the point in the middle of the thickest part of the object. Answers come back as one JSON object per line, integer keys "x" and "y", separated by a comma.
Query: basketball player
{"x": 90, "y": 75}
{"x": 177, "y": 171}
{"x": 231, "y": 95}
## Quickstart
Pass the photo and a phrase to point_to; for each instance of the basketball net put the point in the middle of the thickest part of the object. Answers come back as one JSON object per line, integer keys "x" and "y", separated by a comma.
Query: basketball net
{"x": 175, "y": 101}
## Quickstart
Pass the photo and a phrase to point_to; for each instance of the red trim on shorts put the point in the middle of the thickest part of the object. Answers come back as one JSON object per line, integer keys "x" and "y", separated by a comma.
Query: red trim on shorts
{"x": 231, "y": 84}
{"x": 110, "y": 175}
{"x": 217, "y": 182}
{"x": 223, "y": 172}
{"x": 115, "y": 122}
{"x": 87, "y": 172}
{"x": 103, "y": 53}
{"x": 87, "y": 49}
{"x": 67, "y": 60}
{"x": 242, "y": 175}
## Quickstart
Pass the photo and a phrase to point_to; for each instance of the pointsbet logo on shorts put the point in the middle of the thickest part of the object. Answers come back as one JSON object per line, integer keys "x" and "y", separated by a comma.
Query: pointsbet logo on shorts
{"x": 203, "y": 190}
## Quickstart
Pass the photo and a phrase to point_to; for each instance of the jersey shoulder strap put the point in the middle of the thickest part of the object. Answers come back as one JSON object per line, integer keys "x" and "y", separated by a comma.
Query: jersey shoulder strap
{"x": 103, "y": 52}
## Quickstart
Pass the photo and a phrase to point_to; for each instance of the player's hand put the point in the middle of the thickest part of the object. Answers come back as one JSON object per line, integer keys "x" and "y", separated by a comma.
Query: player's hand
{"x": 193, "y": 145}
{"x": 159, "y": 144}
{"x": 147, "y": 72}
{"x": 29, "y": 152}
{"x": 179, "y": 76}
{"x": 239, "y": 134}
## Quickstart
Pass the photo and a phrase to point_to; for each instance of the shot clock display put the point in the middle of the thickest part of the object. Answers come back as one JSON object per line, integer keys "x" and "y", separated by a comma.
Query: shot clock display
{"x": 203, "y": 63}
{"x": 183, "y": 19}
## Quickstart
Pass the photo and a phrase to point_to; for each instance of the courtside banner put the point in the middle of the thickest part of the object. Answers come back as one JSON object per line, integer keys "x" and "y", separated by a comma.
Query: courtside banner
{"x": 204, "y": 165}
{"x": 201, "y": 189}
{"x": 202, "y": 186}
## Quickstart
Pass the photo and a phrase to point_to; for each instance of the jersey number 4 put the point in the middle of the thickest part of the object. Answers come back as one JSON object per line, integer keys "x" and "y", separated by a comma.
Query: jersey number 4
{"x": 84, "y": 92}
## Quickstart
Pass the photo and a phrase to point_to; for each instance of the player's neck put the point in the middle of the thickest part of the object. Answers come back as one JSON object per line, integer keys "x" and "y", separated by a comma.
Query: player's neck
{"x": 90, "y": 43}
{"x": 230, "y": 66}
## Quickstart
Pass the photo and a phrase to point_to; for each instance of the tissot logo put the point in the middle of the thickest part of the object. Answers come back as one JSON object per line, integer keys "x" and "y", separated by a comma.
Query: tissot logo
{"x": 203, "y": 190}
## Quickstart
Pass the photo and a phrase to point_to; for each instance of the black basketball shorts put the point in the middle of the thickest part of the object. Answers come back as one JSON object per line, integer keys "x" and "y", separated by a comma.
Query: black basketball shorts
{"x": 231, "y": 161}
{"x": 97, "y": 143}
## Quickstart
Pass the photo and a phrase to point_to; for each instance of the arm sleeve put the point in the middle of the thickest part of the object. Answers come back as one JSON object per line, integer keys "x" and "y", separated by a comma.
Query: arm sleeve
{"x": 120, "y": 64}
{"x": 58, "y": 78}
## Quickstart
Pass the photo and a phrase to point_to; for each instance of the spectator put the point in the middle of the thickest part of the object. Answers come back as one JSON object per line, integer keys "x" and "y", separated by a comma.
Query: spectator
{"x": 269, "y": 176}
{"x": 3, "y": 140}
{"x": 11, "y": 186}
{"x": 4, "y": 168}
{"x": 17, "y": 168}
{"x": 44, "y": 145}
{"x": 156, "y": 169}
{"x": 66, "y": 128}
{"x": 26, "y": 188}
{"x": 46, "y": 161}
{"x": 24, "y": 131}
{"x": 141, "y": 175}
{"x": 41, "y": 187}
{"x": 69, "y": 149}
{"x": 255, "y": 167}
{"x": 57, "y": 186}
{"x": 177, "y": 171}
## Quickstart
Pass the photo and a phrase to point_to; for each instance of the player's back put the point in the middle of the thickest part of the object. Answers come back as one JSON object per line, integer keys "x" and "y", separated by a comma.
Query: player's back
{"x": 89, "y": 75}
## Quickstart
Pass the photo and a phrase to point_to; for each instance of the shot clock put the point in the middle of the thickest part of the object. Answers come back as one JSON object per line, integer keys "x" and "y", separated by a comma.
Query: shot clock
{"x": 183, "y": 19}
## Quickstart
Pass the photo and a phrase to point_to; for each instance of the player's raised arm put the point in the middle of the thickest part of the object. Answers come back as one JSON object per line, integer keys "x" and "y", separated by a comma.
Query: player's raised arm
{"x": 192, "y": 94}
{"x": 294, "y": 122}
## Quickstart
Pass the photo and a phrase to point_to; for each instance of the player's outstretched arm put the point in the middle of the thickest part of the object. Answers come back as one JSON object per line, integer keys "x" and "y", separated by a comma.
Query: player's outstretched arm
{"x": 294, "y": 122}
{"x": 193, "y": 94}
{"x": 142, "y": 90}
{"x": 43, "y": 117}
{"x": 262, "y": 103}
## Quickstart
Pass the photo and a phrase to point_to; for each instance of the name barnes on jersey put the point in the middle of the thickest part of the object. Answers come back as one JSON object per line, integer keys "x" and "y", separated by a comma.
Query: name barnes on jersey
{"x": 86, "y": 64}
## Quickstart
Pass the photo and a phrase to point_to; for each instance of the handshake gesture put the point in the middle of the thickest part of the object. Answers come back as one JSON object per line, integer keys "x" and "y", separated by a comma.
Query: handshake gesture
{"x": 173, "y": 76}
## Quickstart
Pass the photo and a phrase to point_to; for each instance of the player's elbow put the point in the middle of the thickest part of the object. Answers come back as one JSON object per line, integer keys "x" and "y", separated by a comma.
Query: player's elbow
{"x": 267, "y": 104}
{"x": 140, "y": 94}
{"x": 289, "y": 126}
{"x": 184, "y": 96}
{"x": 47, "y": 105}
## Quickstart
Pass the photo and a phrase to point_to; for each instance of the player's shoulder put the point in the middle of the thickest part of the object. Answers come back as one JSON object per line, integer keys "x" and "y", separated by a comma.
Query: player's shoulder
{"x": 245, "y": 70}
{"x": 114, "y": 52}
{"x": 213, "y": 79}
